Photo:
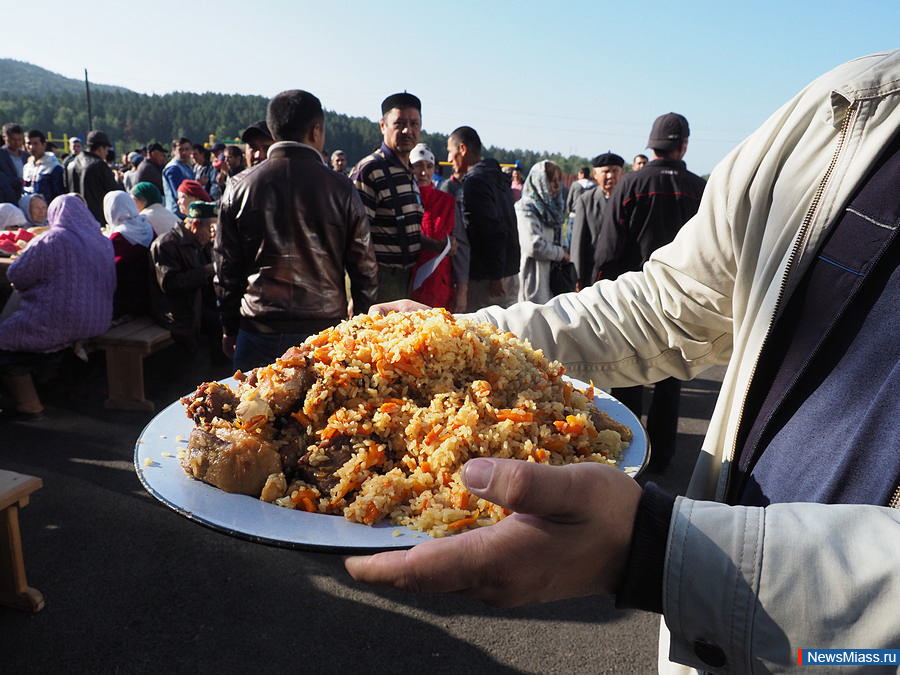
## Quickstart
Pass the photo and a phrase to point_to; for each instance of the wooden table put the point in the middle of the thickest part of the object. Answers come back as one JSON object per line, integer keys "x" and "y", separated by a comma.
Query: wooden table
{"x": 14, "y": 590}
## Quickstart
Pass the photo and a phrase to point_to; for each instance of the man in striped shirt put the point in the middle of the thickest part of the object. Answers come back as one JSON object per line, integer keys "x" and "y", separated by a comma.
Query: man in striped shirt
{"x": 389, "y": 192}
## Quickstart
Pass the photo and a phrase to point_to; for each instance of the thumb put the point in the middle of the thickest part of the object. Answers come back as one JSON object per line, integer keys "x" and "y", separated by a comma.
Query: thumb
{"x": 560, "y": 492}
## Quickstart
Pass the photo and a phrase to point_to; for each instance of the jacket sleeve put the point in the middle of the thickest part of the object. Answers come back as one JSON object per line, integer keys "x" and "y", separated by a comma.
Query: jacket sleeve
{"x": 171, "y": 180}
{"x": 360, "y": 178}
{"x": 532, "y": 241}
{"x": 359, "y": 260}
{"x": 459, "y": 263}
{"x": 611, "y": 238}
{"x": 56, "y": 182}
{"x": 27, "y": 269}
{"x": 10, "y": 184}
{"x": 674, "y": 319}
{"x": 485, "y": 224}
{"x": 231, "y": 270}
{"x": 582, "y": 251}
{"x": 171, "y": 274}
{"x": 788, "y": 576}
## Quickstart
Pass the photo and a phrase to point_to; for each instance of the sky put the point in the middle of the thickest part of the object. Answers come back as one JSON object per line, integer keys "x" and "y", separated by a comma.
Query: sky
{"x": 579, "y": 78}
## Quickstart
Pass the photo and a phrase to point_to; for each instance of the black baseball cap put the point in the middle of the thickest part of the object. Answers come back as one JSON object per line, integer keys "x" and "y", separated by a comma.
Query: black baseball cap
{"x": 668, "y": 132}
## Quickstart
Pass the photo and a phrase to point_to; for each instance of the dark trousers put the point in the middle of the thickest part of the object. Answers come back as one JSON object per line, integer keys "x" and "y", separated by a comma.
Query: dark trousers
{"x": 662, "y": 418}
{"x": 394, "y": 283}
{"x": 253, "y": 350}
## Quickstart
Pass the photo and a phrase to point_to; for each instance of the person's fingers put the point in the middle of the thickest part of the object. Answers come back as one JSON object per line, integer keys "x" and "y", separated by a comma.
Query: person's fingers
{"x": 447, "y": 565}
{"x": 570, "y": 537}
{"x": 537, "y": 489}
{"x": 396, "y": 306}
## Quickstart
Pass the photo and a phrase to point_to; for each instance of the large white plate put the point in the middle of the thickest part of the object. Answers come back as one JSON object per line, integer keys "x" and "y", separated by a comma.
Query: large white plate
{"x": 159, "y": 469}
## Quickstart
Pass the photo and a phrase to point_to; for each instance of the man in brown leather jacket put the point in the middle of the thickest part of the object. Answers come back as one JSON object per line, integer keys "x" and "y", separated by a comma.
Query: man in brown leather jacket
{"x": 288, "y": 230}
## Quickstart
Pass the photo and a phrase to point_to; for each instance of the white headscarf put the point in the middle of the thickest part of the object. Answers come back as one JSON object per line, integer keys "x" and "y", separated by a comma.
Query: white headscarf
{"x": 11, "y": 216}
{"x": 122, "y": 216}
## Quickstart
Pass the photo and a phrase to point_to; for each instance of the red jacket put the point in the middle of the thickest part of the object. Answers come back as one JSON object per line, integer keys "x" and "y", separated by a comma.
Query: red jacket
{"x": 437, "y": 223}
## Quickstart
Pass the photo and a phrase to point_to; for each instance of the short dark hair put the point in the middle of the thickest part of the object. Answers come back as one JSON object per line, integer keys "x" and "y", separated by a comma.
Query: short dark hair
{"x": 469, "y": 137}
{"x": 36, "y": 133}
{"x": 401, "y": 101}
{"x": 234, "y": 151}
{"x": 585, "y": 172}
{"x": 292, "y": 113}
{"x": 199, "y": 147}
{"x": 181, "y": 140}
{"x": 12, "y": 128}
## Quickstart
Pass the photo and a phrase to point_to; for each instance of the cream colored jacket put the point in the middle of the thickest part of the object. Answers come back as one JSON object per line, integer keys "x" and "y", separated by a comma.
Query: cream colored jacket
{"x": 746, "y": 587}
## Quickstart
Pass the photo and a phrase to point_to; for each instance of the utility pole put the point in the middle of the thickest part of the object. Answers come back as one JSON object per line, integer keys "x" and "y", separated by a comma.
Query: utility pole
{"x": 87, "y": 88}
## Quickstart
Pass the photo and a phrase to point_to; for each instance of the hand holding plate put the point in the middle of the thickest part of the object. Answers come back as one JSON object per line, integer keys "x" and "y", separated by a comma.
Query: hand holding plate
{"x": 569, "y": 536}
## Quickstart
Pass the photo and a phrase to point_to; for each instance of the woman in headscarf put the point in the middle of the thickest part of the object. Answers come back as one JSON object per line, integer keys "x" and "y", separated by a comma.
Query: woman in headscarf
{"x": 11, "y": 217}
{"x": 539, "y": 214}
{"x": 437, "y": 289}
{"x": 148, "y": 200}
{"x": 65, "y": 282}
{"x": 131, "y": 234}
{"x": 34, "y": 206}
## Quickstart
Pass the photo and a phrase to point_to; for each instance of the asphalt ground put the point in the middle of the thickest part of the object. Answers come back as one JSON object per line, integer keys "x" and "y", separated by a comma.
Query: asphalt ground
{"x": 132, "y": 587}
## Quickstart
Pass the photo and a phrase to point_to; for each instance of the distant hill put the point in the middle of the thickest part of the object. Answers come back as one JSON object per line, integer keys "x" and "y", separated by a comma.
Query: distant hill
{"x": 18, "y": 77}
{"x": 39, "y": 99}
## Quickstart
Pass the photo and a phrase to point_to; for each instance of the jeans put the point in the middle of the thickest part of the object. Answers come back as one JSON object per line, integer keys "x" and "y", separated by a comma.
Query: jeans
{"x": 252, "y": 350}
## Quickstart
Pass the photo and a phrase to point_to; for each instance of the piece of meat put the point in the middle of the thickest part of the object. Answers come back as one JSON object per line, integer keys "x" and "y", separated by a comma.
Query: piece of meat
{"x": 321, "y": 474}
{"x": 240, "y": 463}
{"x": 210, "y": 400}
{"x": 603, "y": 421}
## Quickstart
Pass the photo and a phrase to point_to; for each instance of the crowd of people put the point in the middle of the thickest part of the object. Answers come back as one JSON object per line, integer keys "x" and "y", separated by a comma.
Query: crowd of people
{"x": 784, "y": 268}
{"x": 486, "y": 235}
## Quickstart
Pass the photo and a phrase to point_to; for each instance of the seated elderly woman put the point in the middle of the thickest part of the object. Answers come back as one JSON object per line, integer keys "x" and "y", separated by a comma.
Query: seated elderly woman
{"x": 148, "y": 200}
{"x": 34, "y": 207}
{"x": 131, "y": 235}
{"x": 64, "y": 284}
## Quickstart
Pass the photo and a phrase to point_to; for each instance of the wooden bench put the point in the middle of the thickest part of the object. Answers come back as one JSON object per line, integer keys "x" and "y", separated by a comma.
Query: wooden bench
{"x": 14, "y": 590}
{"x": 126, "y": 345}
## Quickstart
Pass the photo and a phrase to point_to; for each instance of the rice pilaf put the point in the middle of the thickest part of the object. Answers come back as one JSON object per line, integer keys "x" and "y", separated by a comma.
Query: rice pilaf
{"x": 374, "y": 418}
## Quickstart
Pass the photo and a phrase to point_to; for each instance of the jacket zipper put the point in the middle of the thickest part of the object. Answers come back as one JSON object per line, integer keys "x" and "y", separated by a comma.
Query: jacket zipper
{"x": 895, "y": 499}
{"x": 792, "y": 259}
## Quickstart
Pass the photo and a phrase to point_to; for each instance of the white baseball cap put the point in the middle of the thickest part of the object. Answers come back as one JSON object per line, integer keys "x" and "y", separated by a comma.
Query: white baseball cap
{"x": 421, "y": 153}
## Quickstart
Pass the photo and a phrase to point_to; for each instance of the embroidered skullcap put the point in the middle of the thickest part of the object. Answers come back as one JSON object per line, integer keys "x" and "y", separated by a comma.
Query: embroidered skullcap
{"x": 203, "y": 210}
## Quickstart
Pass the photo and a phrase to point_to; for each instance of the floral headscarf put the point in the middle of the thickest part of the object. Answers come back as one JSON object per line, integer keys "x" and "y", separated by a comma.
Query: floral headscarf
{"x": 536, "y": 196}
{"x": 123, "y": 217}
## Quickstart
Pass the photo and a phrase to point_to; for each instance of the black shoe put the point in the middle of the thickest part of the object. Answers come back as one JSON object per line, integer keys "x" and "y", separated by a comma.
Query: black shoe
{"x": 13, "y": 415}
